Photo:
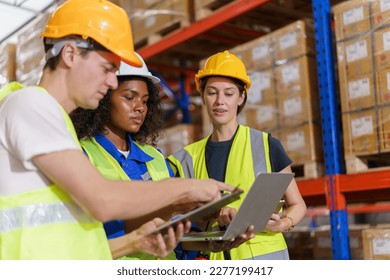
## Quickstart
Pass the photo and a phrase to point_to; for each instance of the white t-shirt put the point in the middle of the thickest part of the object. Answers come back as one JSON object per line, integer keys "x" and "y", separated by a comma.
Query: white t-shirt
{"x": 31, "y": 124}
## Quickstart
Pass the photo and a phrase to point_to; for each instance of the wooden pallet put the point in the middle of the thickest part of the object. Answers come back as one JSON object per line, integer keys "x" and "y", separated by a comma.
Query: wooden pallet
{"x": 159, "y": 35}
{"x": 367, "y": 163}
{"x": 204, "y": 8}
{"x": 308, "y": 170}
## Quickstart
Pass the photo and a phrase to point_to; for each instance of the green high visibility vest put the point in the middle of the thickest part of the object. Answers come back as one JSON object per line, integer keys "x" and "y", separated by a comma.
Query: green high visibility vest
{"x": 110, "y": 168}
{"x": 47, "y": 223}
{"x": 248, "y": 156}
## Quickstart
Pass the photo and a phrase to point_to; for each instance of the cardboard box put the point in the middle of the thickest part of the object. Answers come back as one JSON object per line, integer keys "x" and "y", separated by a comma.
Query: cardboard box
{"x": 384, "y": 115}
{"x": 354, "y": 57}
{"x": 160, "y": 17}
{"x": 7, "y": 63}
{"x": 294, "y": 40}
{"x": 299, "y": 243}
{"x": 383, "y": 87}
{"x": 296, "y": 109}
{"x": 30, "y": 54}
{"x": 262, "y": 88}
{"x": 360, "y": 132}
{"x": 297, "y": 76}
{"x": 380, "y": 11}
{"x": 176, "y": 137}
{"x": 303, "y": 144}
{"x": 382, "y": 48}
{"x": 351, "y": 18}
{"x": 262, "y": 117}
{"x": 376, "y": 243}
{"x": 260, "y": 53}
{"x": 357, "y": 93}
{"x": 322, "y": 249}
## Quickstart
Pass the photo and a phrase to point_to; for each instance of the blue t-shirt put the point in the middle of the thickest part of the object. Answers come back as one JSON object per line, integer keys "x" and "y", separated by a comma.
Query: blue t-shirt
{"x": 134, "y": 166}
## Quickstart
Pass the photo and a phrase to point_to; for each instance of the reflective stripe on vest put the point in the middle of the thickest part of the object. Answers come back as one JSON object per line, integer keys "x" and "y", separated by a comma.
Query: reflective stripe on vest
{"x": 110, "y": 168}
{"x": 46, "y": 223}
{"x": 242, "y": 167}
{"x": 40, "y": 214}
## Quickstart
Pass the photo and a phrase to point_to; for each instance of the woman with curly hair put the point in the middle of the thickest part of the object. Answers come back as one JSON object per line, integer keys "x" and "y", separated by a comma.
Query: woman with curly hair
{"x": 120, "y": 136}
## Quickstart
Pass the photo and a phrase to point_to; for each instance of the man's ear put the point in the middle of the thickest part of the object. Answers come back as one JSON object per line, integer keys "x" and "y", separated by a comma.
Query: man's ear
{"x": 68, "y": 53}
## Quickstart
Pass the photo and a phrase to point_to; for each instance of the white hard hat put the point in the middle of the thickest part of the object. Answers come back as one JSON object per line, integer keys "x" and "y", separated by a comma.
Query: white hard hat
{"x": 128, "y": 70}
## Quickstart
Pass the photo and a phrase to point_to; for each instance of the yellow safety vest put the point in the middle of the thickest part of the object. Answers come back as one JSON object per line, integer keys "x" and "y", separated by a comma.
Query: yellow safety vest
{"x": 241, "y": 170}
{"x": 47, "y": 223}
{"x": 110, "y": 168}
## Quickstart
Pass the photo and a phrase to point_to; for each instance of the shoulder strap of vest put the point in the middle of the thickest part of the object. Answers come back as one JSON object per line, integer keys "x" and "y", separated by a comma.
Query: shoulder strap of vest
{"x": 99, "y": 156}
{"x": 260, "y": 144}
{"x": 10, "y": 87}
{"x": 157, "y": 167}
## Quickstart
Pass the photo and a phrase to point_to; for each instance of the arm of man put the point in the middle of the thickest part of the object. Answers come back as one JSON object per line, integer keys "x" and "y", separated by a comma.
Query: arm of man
{"x": 107, "y": 200}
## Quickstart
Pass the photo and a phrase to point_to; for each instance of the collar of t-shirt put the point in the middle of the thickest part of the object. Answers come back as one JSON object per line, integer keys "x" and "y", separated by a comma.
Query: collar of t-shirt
{"x": 134, "y": 165}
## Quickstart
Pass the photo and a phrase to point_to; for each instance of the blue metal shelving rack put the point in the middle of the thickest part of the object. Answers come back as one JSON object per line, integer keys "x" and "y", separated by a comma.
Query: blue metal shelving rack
{"x": 331, "y": 128}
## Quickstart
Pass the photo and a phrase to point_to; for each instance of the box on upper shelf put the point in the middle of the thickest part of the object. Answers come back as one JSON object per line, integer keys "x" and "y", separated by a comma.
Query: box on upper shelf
{"x": 294, "y": 40}
{"x": 351, "y": 18}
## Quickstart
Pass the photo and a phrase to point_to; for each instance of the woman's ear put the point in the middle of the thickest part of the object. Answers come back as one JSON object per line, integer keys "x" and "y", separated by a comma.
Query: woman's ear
{"x": 241, "y": 98}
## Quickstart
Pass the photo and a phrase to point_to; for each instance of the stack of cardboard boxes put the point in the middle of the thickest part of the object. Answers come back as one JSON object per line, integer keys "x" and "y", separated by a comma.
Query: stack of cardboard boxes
{"x": 363, "y": 53}
{"x": 30, "y": 54}
{"x": 152, "y": 19}
{"x": 284, "y": 98}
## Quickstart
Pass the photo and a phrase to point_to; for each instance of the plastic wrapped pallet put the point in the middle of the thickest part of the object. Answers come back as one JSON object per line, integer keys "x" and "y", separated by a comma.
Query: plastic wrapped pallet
{"x": 30, "y": 55}
{"x": 363, "y": 58}
{"x": 7, "y": 63}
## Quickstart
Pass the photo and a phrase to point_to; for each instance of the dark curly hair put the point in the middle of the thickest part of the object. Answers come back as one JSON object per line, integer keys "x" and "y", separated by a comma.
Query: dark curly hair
{"x": 89, "y": 122}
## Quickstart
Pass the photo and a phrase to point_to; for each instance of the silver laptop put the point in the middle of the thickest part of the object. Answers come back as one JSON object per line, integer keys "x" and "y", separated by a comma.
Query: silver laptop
{"x": 256, "y": 209}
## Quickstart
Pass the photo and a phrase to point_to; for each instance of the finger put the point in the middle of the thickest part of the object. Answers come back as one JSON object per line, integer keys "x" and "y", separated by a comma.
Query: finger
{"x": 170, "y": 239}
{"x": 187, "y": 227}
{"x": 225, "y": 187}
{"x": 161, "y": 250}
{"x": 179, "y": 232}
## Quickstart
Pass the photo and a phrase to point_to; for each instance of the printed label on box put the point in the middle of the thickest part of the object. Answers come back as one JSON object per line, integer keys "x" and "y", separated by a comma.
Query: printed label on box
{"x": 384, "y": 5}
{"x": 353, "y": 15}
{"x": 356, "y": 51}
{"x": 388, "y": 80}
{"x": 254, "y": 93}
{"x": 264, "y": 113}
{"x": 290, "y": 73}
{"x": 296, "y": 141}
{"x": 359, "y": 88}
{"x": 265, "y": 80}
{"x": 288, "y": 40}
{"x": 260, "y": 51}
{"x": 150, "y": 21}
{"x": 386, "y": 41}
{"x": 381, "y": 246}
{"x": 362, "y": 126}
{"x": 292, "y": 106}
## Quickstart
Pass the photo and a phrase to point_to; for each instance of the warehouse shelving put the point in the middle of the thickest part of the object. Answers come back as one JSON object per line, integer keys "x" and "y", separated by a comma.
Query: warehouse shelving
{"x": 335, "y": 189}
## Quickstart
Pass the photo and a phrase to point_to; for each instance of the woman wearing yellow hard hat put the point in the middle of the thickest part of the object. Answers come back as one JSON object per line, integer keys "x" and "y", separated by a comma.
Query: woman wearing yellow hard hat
{"x": 52, "y": 199}
{"x": 235, "y": 154}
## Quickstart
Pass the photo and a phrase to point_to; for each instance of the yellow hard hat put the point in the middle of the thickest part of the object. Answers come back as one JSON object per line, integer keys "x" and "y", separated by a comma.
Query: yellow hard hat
{"x": 100, "y": 20}
{"x": 223, "y": 64}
